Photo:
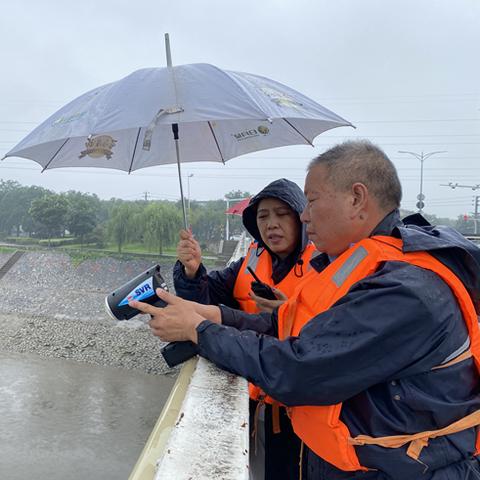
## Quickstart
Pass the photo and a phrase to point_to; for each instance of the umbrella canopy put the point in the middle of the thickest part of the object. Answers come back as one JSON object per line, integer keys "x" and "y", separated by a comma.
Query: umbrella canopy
{"x": 239, "y": 207}
{"x": 134, "y": 123}
{"x": 127, "y": 125}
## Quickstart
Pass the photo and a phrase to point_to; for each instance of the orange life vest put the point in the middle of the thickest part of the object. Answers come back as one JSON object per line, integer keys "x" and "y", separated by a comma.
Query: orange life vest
{"x": 259, "y": 260}
{"x": 320, "y": 427}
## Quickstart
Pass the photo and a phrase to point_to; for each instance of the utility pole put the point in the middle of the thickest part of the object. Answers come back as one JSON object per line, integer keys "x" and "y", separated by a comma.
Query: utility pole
{"x": 146, "y": 195}
{"x": 476, "y": 200}
{"x": 422, "y": 157}
{"x": 475, "y": 213}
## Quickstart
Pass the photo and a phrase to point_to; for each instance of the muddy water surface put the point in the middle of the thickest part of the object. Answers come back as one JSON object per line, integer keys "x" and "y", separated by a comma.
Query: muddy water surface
{"x": 62, "y": 420}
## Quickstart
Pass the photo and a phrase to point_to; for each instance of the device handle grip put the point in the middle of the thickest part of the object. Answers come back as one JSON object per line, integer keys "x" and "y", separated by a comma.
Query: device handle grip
{"x": 175, "y": 353}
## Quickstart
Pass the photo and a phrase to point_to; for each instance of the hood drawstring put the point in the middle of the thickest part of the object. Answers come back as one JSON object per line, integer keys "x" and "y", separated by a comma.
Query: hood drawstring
{"x": 300, "y": 462}
{"x": 300, "y": 263}
{"x": 260, "y": 404}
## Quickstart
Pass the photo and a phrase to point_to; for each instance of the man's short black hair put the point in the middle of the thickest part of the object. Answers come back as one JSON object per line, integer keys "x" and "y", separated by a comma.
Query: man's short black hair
{"x": 362, "y": 161}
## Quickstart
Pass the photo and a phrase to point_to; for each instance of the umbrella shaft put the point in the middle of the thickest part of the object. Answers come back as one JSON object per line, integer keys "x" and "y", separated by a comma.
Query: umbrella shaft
{"x": 177, "y": 150}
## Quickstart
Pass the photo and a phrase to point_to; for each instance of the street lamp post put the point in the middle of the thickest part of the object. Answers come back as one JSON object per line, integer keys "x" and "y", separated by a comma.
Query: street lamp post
{"x": 422, "y": 157}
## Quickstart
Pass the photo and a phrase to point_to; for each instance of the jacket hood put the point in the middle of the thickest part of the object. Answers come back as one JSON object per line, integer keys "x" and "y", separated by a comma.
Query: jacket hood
{"x": 282, "y": 189}
{"x": 448, "y": 246}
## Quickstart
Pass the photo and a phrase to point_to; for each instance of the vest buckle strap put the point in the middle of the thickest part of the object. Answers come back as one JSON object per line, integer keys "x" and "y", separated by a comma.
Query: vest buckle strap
{"x": 417, "y": 441}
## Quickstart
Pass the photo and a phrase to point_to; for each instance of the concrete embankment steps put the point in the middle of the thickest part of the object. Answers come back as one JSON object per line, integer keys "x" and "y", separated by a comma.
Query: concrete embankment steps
{"x": 228, "y": 247}
{"x": 10, "y": 262}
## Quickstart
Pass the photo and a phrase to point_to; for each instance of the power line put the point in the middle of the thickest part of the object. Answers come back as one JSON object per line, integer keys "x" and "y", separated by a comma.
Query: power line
{"x": 423, "y": 120}
{"x": 219, "y": 173}
{"x": 228, "y": 168}
{"x": 337, "y": 136}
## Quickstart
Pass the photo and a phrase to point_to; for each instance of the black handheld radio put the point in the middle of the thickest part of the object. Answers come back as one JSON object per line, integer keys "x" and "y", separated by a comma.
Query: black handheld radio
{"x": 261, "y": 289}
{"x": 143, "y": 288}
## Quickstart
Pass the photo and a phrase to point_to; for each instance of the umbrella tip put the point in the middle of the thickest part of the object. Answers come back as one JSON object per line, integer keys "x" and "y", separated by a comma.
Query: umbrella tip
{"x": 3, "y": 158}
{"x": 167, "y": 50}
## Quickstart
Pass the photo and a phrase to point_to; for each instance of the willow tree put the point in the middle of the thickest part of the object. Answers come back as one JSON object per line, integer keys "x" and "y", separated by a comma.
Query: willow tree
{"x": 122, "y": 225}
{"x": 161, "y": 223}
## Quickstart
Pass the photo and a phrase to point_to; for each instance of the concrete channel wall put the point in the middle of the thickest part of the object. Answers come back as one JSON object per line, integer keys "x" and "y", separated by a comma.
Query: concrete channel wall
{"x": 202, "y": 432}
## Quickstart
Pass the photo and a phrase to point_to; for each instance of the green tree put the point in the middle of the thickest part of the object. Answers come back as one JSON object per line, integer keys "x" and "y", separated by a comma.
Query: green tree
{"x": 161, "y": 221}
{"x": 81, "y": 217}
{"x": 9, "y": 191}
{"x": 49, "y": 213}
{"x": 26, "y": 196}
{"x": 122, "y": 224}
{"x": 237, "y": 194}
{"x": 208, "y": 221}
{"x": 15, "y": 203}
{"x": 97, "y": 236}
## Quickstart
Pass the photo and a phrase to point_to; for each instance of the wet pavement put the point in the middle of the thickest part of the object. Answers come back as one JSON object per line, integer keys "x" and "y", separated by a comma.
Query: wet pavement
{"x": 63, "y": 420}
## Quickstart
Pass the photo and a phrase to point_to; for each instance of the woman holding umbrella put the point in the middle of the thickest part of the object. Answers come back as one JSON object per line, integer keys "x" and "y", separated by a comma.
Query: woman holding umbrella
{"x": 279, "y": 256}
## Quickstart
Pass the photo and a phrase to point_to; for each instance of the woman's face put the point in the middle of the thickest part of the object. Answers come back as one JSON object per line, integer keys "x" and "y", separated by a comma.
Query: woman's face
{"x": 278, "y": 225}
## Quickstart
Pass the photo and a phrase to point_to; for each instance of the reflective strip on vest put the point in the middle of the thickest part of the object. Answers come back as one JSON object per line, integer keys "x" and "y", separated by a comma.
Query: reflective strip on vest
{"x": 253, "y": 257}
{"x": 457, "y": 352}
{"x": 349, "y": 266}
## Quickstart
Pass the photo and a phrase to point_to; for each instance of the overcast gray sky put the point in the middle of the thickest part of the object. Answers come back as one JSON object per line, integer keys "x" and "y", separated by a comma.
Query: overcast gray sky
{"x": 405, "y": 72}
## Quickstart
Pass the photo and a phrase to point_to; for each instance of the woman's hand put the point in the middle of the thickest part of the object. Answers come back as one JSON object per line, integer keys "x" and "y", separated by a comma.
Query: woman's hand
{"x": 265, "y": 305}
{"x": 189, "y": 253}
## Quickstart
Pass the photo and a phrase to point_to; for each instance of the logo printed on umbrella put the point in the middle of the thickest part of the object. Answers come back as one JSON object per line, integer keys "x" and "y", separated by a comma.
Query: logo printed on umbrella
{"x": 254, "y": 132}
{"x": 69, "y": 119}
{"x": 280, "y": 98}
{"x": 99, "y": 146}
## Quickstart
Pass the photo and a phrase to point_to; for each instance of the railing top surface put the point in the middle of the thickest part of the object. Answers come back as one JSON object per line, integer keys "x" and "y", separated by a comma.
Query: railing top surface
{"x": 210, "y": 438}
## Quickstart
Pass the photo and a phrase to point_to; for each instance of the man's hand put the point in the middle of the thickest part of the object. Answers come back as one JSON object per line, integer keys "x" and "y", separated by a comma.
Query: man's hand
{"x": 265, "y": 305}
{"x": 180, "y": 319}
{"x": 189, "y": 253}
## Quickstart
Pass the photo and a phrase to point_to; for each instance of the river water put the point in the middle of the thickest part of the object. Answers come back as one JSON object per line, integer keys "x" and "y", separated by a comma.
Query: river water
{"x": 63, "y": 420}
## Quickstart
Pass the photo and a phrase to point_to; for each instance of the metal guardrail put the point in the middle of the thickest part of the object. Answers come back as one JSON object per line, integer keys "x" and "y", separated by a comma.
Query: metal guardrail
{"x": 202, "y": 432}
{"x": 241, "y": 248}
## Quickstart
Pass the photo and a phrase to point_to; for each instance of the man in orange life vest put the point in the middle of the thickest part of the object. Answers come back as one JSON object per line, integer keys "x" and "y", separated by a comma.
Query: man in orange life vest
{"x": 378, "y": 353}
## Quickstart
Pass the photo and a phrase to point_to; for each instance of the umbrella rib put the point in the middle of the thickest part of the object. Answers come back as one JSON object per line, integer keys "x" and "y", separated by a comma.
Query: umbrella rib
{"x": 134, "y": 151}
{"x": 300, "y": 133}
{"x": 56, "y": 153}
{"x": 216, "y": 142}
